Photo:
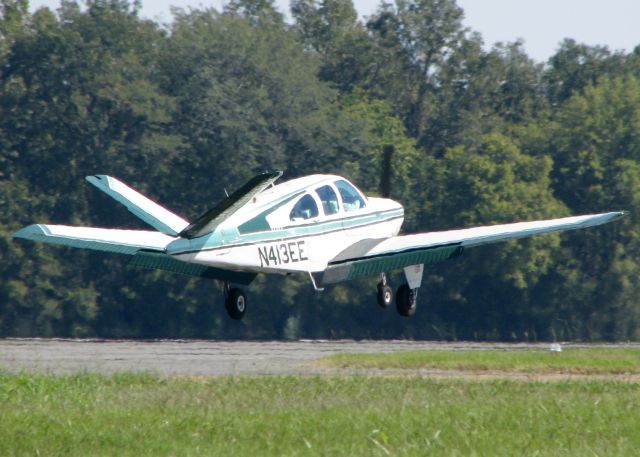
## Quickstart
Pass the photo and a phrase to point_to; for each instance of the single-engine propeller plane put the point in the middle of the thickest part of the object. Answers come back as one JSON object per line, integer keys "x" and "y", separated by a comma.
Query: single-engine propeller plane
{"x": 320, "y": 225}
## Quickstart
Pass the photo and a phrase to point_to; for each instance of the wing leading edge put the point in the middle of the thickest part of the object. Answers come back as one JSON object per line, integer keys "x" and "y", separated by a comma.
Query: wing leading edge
{"x": 431, "y": 247}
{"x": 147, "y": 248}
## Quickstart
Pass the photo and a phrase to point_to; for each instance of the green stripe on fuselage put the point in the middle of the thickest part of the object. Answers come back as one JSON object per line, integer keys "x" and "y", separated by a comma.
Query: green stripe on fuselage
{"x": 216, "y": 241}
{"x": 259, "y": 223}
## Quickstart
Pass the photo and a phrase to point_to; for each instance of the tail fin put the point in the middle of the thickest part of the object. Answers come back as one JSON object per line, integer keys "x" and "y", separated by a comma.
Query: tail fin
{"x": 208, "y": 222}
{"x": 149, "y": 211}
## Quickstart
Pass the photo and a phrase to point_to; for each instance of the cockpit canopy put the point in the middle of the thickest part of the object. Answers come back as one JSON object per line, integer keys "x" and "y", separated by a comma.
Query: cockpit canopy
{"x": 347, "y": 198}
{"x": 306, "y": 208}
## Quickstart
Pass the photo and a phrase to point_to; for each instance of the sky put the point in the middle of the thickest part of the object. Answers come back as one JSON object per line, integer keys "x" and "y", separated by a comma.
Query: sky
{"x": 542, "y": 24}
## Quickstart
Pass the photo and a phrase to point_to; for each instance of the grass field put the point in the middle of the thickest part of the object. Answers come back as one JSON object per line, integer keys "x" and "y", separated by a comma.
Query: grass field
{"x": 588, "y": 361}
{"x": 140, "y": 415}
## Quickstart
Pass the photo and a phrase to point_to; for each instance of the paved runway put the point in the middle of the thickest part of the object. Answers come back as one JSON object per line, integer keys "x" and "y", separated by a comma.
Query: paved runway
{"x": 200, "y": 358}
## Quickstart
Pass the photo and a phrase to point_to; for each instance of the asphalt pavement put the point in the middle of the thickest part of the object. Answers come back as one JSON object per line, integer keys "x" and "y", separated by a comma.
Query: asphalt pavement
{"x": 203, "y": 358}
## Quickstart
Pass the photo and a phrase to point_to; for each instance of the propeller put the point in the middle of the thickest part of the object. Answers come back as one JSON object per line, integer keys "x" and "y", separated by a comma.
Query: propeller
{"x": 387, "y": 171}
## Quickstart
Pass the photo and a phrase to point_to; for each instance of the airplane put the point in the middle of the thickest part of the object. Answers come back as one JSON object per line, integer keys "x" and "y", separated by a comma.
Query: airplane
{"x": 319, "y": 225}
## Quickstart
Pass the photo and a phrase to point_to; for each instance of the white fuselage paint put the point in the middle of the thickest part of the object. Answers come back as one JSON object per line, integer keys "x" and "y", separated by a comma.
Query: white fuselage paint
{"x": 293, "y": 244}
{"x": 290, "y": 254}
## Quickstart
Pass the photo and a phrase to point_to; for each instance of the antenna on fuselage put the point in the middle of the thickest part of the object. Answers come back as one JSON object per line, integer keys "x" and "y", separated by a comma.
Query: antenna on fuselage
{"x": 387, "y": 171}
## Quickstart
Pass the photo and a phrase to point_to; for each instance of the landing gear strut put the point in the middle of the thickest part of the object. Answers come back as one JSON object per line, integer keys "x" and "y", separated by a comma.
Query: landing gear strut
{"x": 385, "y": 294}
{"x": 235, "y": 301}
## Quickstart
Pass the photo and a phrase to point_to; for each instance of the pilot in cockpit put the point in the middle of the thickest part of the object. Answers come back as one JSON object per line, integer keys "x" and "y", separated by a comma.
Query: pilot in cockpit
{"x": 306, "y": 208}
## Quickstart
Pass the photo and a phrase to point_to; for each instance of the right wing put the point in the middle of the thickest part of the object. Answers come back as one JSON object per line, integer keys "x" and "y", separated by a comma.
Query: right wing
{"x": 431, "y": 247}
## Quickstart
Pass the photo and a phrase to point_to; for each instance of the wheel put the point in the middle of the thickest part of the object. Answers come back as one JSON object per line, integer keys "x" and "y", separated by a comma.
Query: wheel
{"x": 236, "y": 303}
{"x": 406, "y": 301}
{"x": 385, "y": 295}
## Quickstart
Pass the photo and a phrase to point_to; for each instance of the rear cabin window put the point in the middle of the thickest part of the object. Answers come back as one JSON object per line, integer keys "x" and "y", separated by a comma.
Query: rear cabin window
{"x": 329, "y": 200}
{"x": 306, "y": 208}
{"x": 351, "y": 199}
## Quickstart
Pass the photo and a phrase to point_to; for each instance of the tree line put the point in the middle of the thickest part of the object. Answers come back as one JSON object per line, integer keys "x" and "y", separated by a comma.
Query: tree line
{"x": 185, "y": 110}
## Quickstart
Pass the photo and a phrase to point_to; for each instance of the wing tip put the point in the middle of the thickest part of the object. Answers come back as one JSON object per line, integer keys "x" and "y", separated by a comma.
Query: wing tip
{"x": 273, "y": 173}
{"x": 99, "y": 180}
{"x": 32, "y": 232}
{"x": 614, "y": 215}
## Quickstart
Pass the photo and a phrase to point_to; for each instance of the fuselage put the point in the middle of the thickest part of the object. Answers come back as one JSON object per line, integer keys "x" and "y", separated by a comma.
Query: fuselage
{"x": 296, "y": 226}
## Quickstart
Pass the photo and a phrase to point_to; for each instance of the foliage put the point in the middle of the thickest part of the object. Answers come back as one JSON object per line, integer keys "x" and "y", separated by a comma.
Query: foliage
{"x": 596, "y": 146}
{"x": 584, "y": 361}
{"x": 138, "y": 415}
{"x": 187, "y": 111}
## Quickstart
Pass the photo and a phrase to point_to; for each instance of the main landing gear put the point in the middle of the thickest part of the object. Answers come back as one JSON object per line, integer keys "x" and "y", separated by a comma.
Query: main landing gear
{"x": 406, "y": 300}
{"x": 385, "y": 294}
{"x": 235, "y": 301}
{"x": 406, "y": 295}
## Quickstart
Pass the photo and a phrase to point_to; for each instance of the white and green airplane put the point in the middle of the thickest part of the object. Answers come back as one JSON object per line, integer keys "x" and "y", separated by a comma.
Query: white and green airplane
{"x": 320, "y": 225}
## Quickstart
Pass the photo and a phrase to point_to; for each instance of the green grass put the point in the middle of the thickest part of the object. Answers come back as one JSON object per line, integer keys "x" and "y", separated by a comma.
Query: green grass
{"x": 140, "y": 415}
{"x": 571, "y": 361}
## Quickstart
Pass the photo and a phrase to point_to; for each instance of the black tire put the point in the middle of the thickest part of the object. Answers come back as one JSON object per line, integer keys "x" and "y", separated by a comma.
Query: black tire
{"x": 385, "y": 295}
{"x": 236, "y": 303}
{"x": 405, "y": 301}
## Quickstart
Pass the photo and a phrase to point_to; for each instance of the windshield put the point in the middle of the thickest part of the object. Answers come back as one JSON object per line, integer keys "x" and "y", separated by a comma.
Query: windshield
{"x": 351, "y": 199}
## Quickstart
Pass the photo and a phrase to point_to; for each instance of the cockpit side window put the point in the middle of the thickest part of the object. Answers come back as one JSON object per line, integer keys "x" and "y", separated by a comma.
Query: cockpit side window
{"x": 329, "y": 200}
{"x": 306, "y": 208}
{"x": 351, "y": 199}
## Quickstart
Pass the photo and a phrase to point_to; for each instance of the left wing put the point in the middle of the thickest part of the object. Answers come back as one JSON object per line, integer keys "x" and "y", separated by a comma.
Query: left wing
{"x": 148, "y": 248}
{"x": 431, "y": 247}
{"x": 99, "y": 239}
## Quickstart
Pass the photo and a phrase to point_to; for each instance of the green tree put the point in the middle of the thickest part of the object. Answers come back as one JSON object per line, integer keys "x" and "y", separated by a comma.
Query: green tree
{"x": 260, "y": 13}
{"x": 596, "y": 148}
{"x": 485, "y": 294}
{"x": 483, "y": 92}
{"x": 575, "y": 66}
{"x": 324, "y": 25}
{"x": 78, "y": 98}
{"x": 13, "y": 15}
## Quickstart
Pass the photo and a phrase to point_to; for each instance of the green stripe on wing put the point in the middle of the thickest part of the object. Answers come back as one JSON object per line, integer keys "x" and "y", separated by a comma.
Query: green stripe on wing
{"x": 158, "y": 261}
